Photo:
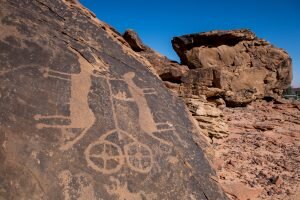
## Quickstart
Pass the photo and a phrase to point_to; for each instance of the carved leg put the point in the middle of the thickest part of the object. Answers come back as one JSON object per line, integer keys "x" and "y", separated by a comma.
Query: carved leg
{"x": 71, "y": 143}
{"x": 149, "y": 91}
{"x": 39, "y": 117}
{"x": 166, "y": 126}
{"x": 48, "y": 73}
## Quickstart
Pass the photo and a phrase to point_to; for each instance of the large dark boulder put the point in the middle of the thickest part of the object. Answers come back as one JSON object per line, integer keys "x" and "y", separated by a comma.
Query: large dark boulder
{"x": 241, "y": 65}
{"x": 82, "y": 116}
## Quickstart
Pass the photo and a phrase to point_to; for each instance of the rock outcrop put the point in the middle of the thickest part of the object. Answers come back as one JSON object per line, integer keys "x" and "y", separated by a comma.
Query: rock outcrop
{"x": 83, "y": 117}
{"x": 210, "y": 118}
{"x": 255, "y": 149}
{"x": 208, "y": 114}
{"x": 166, "y": 69}
{"x": 234, "y": 65}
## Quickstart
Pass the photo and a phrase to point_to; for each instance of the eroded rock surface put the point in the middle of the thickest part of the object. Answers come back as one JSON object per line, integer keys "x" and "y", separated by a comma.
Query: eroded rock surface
{"x": 255, "y": 149}
{"x": 167, "y": 70}
{"x": 179, "y": 79}
{"x": 235, "y": 65}
{"x": 260, "y": 157}
{"x": 209, "y": 117}
{"x": 83, "y": 117}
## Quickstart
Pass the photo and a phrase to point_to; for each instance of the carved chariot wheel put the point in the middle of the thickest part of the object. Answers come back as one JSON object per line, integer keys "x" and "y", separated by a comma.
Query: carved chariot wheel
{"x": 104, "y": 156}
{"x": 139, "y": 157}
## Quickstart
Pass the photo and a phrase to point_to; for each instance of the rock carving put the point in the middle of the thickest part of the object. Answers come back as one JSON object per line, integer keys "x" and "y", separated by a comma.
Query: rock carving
{"x": 102, "y": 155}
{"x": 108, "y": 157}
{"x": 81, "y": 116}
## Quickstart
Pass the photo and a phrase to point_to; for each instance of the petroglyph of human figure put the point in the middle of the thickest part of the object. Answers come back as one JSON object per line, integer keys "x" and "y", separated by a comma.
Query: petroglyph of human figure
{"x": 81, "y": 116}
{"x": 146, "y": 120}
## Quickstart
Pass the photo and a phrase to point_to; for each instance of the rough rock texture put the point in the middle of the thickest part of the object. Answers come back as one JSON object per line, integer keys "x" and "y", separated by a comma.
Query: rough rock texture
{"x": 83, "y": 117}
{"x": 235, "y": 65}
{"x": 207, "y": 114}
{"x": 255, "y": 149}
{"x": 260, "y": 158}
{"x": 167, "y": 70}
{"x": 209, "y": 117}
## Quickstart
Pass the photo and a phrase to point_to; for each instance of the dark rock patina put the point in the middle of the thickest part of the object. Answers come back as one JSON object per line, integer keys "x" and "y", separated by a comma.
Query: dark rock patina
{"x": 83, "y": 118}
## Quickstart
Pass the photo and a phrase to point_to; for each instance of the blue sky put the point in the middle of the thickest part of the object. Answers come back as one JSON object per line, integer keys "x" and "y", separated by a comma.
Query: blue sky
{"x": 158, "y": 21}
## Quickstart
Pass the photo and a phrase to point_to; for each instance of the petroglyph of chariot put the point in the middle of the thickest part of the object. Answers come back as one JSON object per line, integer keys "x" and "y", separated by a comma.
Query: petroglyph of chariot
{"x": 107, "y": 157}
{"x": 102, "y": 155}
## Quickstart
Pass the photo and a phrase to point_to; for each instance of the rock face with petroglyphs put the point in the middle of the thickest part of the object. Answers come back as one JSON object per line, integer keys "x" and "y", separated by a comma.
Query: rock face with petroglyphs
{"x": 206, "y": 111}
{"x": 254, "y": 149}
{"x": 84, "y": 117}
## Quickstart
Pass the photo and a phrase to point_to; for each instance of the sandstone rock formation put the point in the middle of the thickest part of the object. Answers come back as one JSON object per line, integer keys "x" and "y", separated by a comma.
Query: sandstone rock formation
{"x": 210, "y": 118}
{"x": 83, "y": 117}
{"x": 207, "y": 114}
{"x": 234, "y": 65}
{"x": 255, "y": 149}
{"x": 167, "y": 70}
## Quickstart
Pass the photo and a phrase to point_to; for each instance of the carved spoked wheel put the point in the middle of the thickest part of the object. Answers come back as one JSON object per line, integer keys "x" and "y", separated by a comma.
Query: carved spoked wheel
{"x": 104, "y": 156}
{"x": 138, "y": 157}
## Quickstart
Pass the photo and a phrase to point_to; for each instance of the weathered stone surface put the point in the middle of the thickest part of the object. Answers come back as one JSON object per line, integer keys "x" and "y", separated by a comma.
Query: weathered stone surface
{"x": 82, "y": 117}
{"x": 183, "y": 82}
{"x": 263, "y": 145}
{"x": 235, "y": 61}
{"x": 167, "y": 70}
{"x": 134, "y": 41}
{"x": 255, "y": 149}
{"x": 209, "y": 117}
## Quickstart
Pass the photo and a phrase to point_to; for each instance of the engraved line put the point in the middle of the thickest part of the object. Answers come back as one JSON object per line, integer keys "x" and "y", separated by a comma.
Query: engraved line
{"x": 113, "y": 106}
{"x": 57, "y": 72}
{"x": 38, "y": 117}
{"x": 46, "y": 75}
{"x": 69, "y": 144}
{"x": 107, "y": 157}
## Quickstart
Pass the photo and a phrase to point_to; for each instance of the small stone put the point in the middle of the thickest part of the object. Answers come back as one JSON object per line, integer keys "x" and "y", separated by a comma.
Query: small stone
{"x": 279, "y": 181}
